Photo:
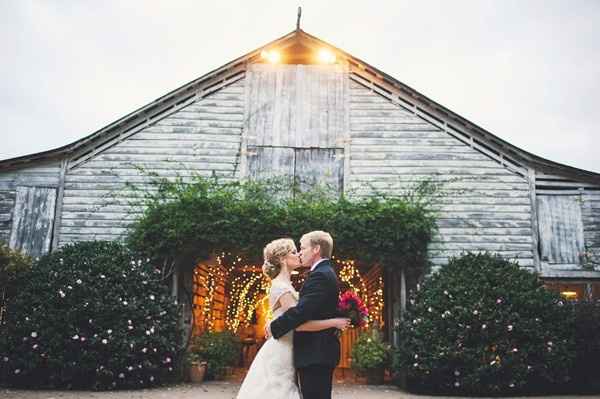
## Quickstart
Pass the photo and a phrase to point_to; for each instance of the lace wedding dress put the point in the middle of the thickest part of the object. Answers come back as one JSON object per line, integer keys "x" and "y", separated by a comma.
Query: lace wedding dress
{"x": 272, "y": 373}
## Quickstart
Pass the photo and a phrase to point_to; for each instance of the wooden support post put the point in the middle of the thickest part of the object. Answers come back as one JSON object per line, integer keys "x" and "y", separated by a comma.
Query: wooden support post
{"x": 535, "y": 233}
{"x": 58, "y": 206}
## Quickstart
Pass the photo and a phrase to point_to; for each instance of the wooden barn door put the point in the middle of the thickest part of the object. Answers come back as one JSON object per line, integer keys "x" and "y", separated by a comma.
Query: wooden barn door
{"x": 33, "y": 220}
{"x": 561, "y": 229}
{"x": 297, "y": 123}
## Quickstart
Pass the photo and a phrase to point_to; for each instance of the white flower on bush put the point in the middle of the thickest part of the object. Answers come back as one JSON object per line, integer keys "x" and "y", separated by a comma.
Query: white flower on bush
{"x": 130, "y": 327}
{"x": 79, "y": 281}
{"x": 125, "y": 303}
{"x": 550, "y": 343}
{"x": 109, "y": 332}
{"x": 475, "y": 312}
{"x": 511, "y": 385}
{"x": 61, "y": 293}
{"x": 445, "y": 292}
{"x": 510, "y": 327}
{"x": 456, "y": 373}
{"x": 102, "y": 276}
{"x": 17, "y": 371}
{"x": 416, "y": 356}
{"x": 483, "y": 327}
{"x": 121, "y": 375}
{"x": 416, "y": 365}
{"x": 168, "y": 360}
{"x": 499, "y": 300}
{"x": 35, "y": 346}
{"x": 69, "y": 287}
{"x": 457, "y": 384}
{"x": 82, "y": 339}
{"x": 105, "y": 341}
{"x": 430, "y": 309}
{"x": 34, "y": 334}
{"x": 5, "y": 359}
{"x": 151, "y": 378}
{"x": 130, "y": 368}
{"x": 145, "y": 350}
{"x": 75, "y": 336}
{"x": 152, "y": 296}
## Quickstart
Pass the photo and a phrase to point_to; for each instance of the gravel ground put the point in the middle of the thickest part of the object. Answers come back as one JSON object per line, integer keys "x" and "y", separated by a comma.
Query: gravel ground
{"x": 217, "y": 390}
{"x": 208, "y": 390}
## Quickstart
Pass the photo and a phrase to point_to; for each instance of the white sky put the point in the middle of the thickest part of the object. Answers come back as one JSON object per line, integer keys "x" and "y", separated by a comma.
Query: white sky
{"x": 527, "y": 71}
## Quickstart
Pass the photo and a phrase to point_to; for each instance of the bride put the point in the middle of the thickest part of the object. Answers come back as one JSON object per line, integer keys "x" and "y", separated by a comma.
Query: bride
{"x": 272, "y": 372}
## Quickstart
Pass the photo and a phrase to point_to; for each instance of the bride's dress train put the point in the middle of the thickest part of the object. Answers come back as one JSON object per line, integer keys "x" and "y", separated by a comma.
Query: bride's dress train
{"x": 272, "y": 373}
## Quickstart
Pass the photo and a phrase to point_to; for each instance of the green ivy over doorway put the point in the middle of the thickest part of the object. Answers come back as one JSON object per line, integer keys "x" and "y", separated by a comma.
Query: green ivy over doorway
{"x": 201, "y": 216}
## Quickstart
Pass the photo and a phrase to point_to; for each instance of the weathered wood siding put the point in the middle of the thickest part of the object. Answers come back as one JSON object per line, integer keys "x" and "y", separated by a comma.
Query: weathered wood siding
{"x": 561, "y": 229}
{"x": 42, "y": 175}
{"x": 486, "y": 208}
{"x": 590, "y": 212}
{"x": 297, "y": 121}
{"x": 203, "y": 138}
{"x": 33, "y": 220}
{"x": 299, "y": 106}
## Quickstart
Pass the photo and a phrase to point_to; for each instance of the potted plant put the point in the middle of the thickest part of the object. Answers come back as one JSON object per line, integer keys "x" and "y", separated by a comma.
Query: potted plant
{"x": 218, "y": 350}
{"x": 370, "y": 357}
{"x": 196, "y": 367}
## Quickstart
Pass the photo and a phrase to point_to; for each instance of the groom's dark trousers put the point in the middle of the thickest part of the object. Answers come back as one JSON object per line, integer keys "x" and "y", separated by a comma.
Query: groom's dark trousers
{"x": 316, "y": 354}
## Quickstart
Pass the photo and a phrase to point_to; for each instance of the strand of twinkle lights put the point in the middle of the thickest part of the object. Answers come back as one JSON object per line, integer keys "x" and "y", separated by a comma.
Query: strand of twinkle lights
{"x": 350, "y": 274}
{"x": 246, "y": 289}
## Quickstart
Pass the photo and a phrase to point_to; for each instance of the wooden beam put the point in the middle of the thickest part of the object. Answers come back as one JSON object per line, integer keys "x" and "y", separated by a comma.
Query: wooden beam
{"x": 535, "y": 233}
{"x": 59, "y": 205}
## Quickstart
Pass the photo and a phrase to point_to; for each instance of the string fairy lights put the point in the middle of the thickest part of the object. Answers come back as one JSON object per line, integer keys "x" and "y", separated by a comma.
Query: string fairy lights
{"x": 229, "y": 290}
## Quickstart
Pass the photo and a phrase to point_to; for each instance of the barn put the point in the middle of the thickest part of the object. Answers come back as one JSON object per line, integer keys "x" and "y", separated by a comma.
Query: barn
{"x": 303, "y": 108}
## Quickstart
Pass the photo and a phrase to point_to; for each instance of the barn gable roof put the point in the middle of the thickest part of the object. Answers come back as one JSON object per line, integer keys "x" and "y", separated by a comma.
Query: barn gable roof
{"x": 360, "y": 71}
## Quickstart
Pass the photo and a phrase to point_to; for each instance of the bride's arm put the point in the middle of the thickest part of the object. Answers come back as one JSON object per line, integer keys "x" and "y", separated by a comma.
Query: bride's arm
{"x": 287, "y": 301}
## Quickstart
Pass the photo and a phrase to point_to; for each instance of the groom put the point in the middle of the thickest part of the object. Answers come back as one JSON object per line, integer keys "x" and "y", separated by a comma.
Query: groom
{"x": 316, "y": 354}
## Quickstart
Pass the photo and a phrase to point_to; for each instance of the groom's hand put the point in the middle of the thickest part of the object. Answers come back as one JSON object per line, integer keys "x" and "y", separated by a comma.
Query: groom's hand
{"x": 268, "y": 330}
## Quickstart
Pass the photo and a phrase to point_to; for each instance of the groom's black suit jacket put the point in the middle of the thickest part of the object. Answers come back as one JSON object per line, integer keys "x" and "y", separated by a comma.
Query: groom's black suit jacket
{"x": 318, "y": 301}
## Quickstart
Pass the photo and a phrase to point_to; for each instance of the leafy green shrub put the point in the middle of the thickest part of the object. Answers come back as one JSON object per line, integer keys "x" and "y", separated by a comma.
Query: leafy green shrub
{"x": 90, "y": 315}
{"x": 219, "y": 349}
{"x": 13, "y": 265}
{"x": 370, "y": 352}
{"x": 585, "y": 371}
{"x": 204, "y": 216}
{"x": 482, "y": 325}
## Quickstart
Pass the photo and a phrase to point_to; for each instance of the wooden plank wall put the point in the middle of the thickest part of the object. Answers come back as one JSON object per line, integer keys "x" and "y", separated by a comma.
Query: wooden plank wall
{"x": 33, "y": 219}
{"x": 487, "y": 209}
{"x": 203, "y": 138}
{"x": 299, "y": 106}
{"x": 590, "y": 212}
{"x": 45, "y": 174}
{"x": 561, "y": 229}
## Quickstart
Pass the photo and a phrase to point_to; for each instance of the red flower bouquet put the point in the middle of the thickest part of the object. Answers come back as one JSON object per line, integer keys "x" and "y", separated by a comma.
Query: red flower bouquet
{"x": 351, "y": 306}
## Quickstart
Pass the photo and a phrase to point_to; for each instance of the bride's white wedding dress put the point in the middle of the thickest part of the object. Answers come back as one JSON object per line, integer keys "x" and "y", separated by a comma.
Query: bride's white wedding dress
{"x": 272, "y": 372}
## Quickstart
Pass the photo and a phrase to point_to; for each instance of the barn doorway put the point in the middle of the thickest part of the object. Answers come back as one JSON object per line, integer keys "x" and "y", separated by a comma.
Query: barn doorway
{"x": 231, "y": 294}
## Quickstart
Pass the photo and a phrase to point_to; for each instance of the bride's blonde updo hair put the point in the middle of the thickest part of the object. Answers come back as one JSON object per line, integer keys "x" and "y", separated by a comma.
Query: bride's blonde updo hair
{"x": 274, "y": 253}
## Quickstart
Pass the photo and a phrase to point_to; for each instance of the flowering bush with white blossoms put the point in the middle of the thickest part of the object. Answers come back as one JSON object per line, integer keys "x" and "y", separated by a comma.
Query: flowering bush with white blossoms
{"x": 91, "y": 316}
{"x": 484, "y": 326}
